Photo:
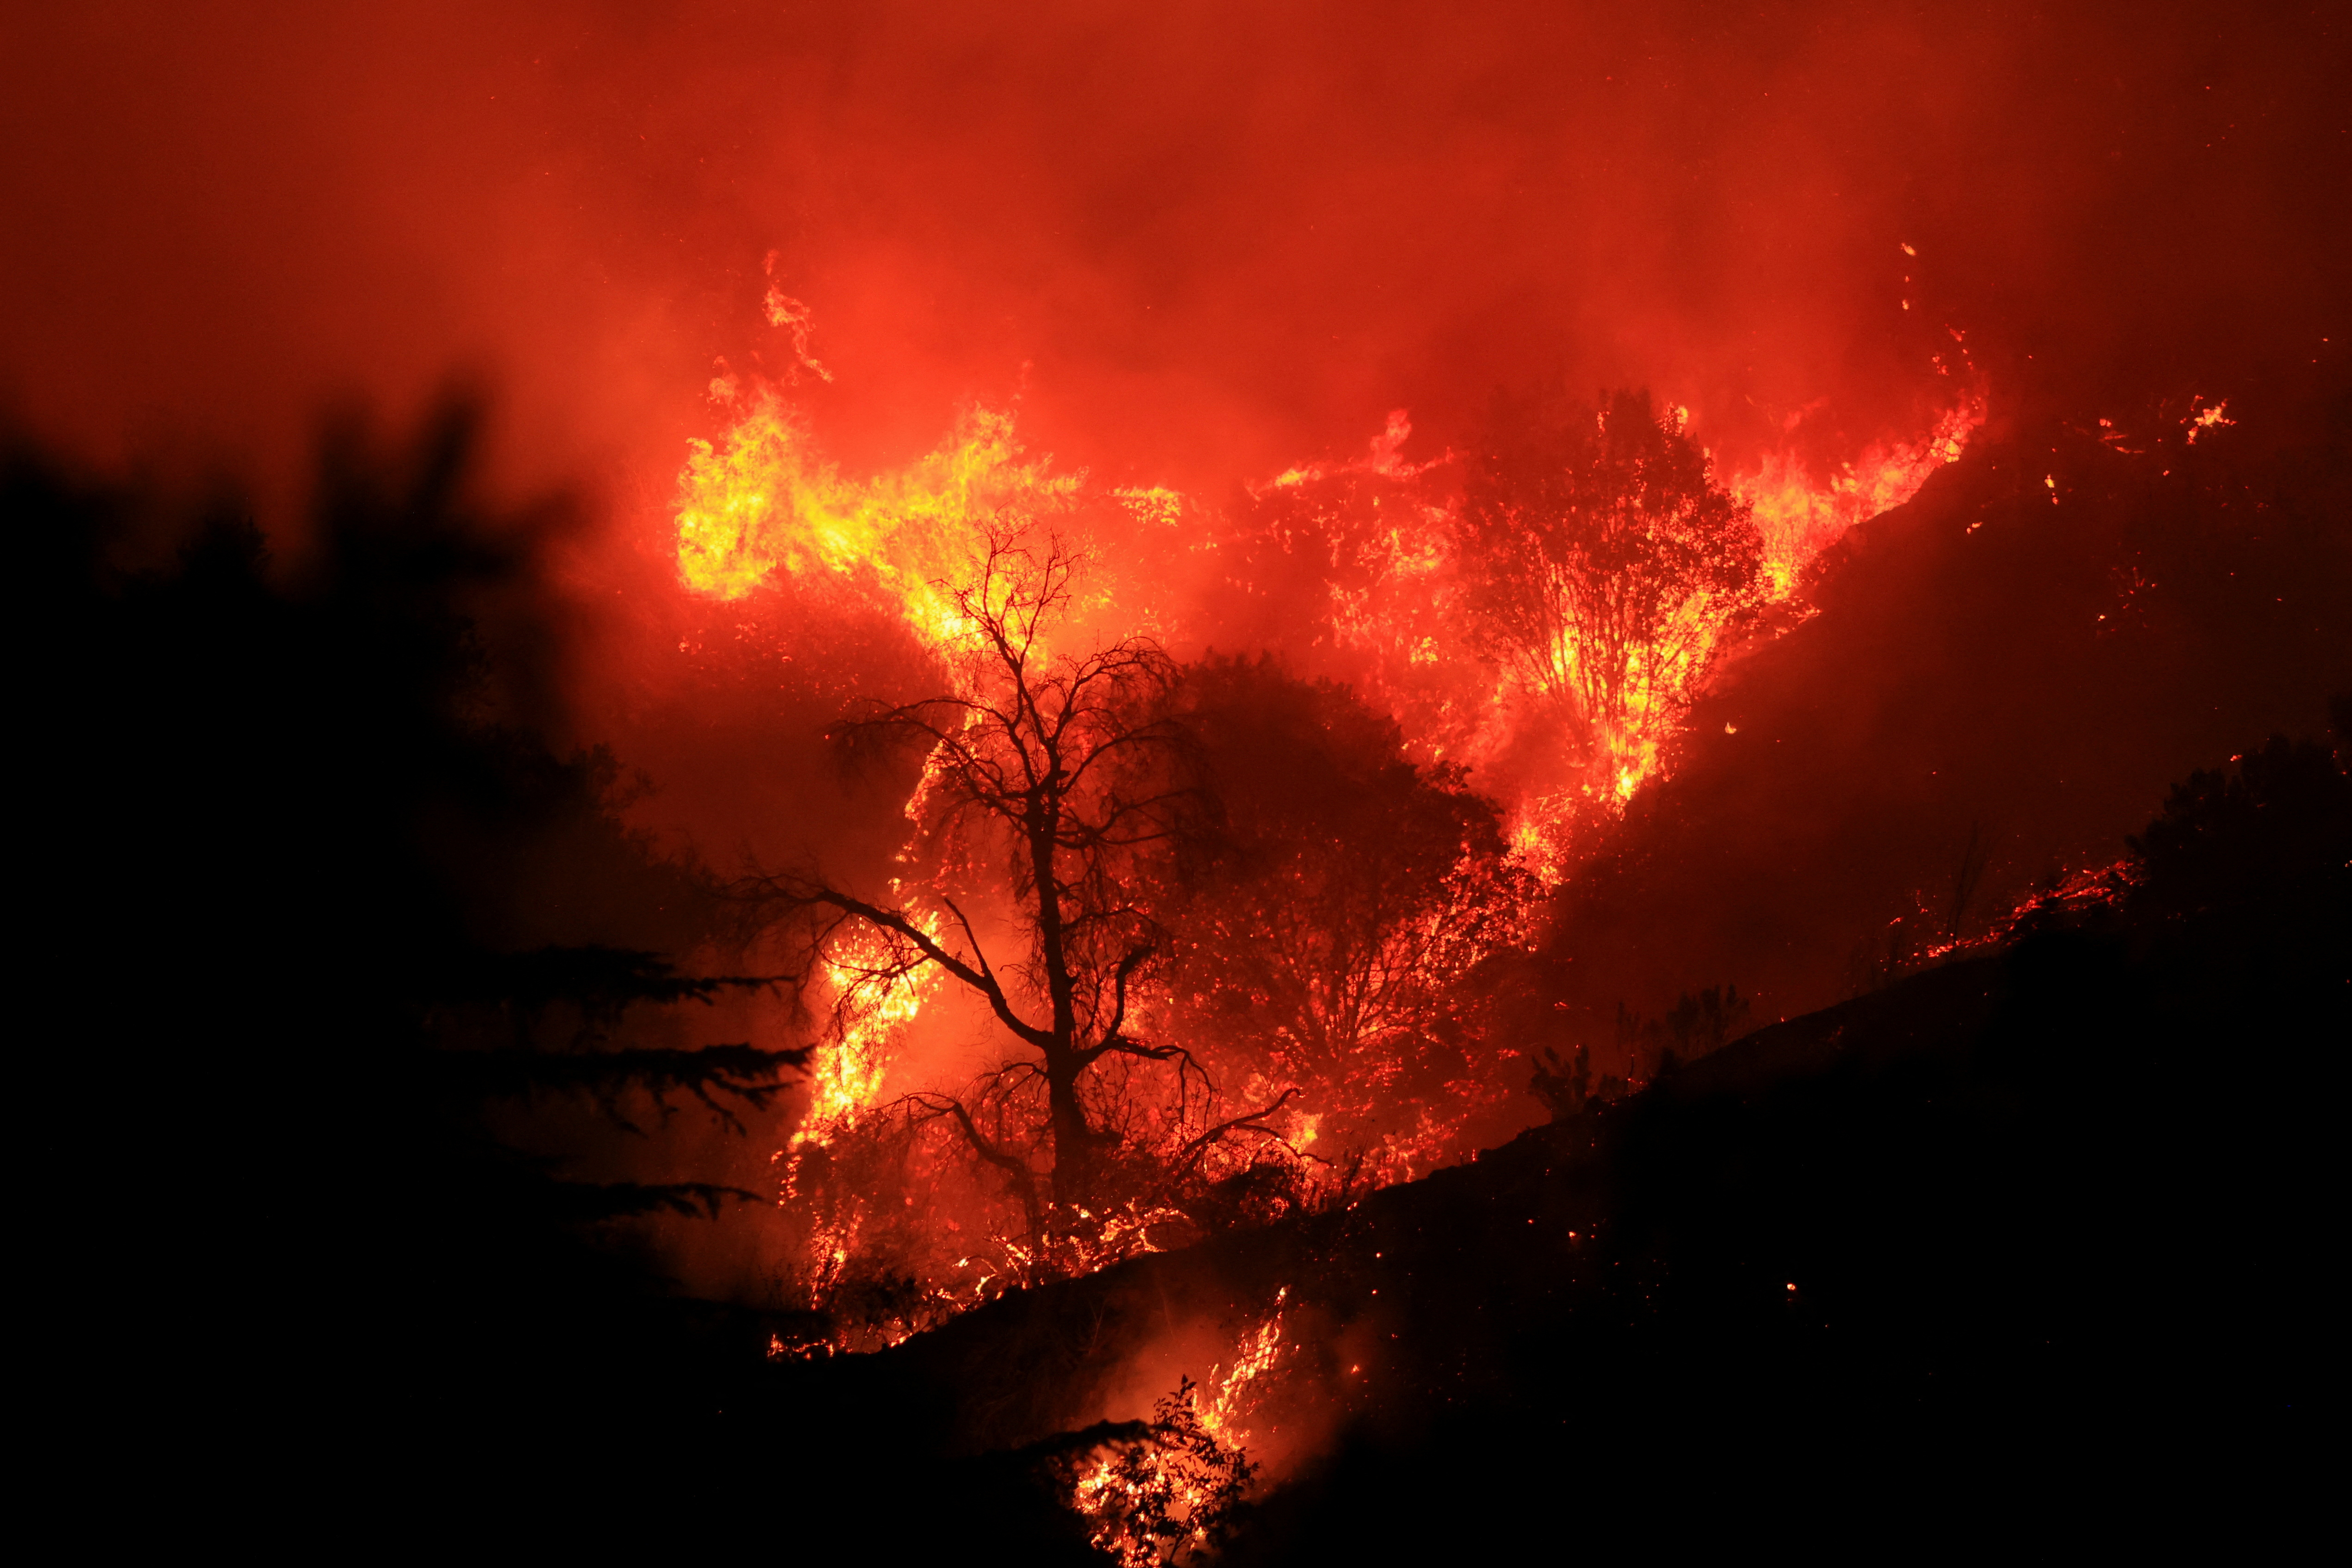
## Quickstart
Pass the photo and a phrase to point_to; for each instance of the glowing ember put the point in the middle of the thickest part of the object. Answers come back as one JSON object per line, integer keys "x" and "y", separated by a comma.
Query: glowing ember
{"x": 2205, "y": 418}
{"x": 1162, "y": 1499}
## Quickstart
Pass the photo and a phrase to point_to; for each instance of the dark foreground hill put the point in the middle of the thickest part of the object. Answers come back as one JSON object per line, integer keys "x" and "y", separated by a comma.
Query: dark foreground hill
{"x": 2034, "y": 1240}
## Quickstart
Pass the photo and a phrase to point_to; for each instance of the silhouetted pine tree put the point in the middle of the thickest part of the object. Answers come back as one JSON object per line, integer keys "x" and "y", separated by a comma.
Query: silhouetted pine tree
{"x": 288, "y": 824}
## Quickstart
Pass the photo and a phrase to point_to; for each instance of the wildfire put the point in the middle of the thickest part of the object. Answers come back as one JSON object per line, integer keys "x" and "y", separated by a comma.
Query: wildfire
{"x": 1162, "y": 1499}
{"x": 875, "y": 999}
{"x": 1372, "y": 565}
{"x": 875, "y": 996}
{"x": 1799, "y": 517}
{"x": 760, "y": 499}
{"x": 1385, "y": 457}
{"x": 1258, "y": 1354}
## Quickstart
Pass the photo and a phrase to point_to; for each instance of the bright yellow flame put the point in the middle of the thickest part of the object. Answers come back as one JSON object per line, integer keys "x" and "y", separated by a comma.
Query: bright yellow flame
{"x": 1110, "y": 1493}
{"x": 847, "y": 1071}
{"x": 1799, "y": 517}
{"x": 761, "y": 499}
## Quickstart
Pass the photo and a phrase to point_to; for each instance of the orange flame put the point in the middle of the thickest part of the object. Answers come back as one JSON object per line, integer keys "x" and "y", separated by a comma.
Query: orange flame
{"x": 1256, "y": 1358}
{"x": 875, "y": 1001}
{"x": 1799, "y": 517}
{"x": 1185, "y": 1483}
{"x": 760, "y": 499}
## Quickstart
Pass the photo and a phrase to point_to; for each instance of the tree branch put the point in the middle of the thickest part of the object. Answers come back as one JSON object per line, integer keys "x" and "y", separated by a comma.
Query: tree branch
{"x": 981, "y": 980}
{"x": 1024, "y": 1180}
{"x": 1189, "y": 1155}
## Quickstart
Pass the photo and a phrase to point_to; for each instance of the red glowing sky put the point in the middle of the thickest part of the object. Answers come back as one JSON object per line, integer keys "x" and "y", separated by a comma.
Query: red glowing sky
{"x": 1221, "y": 237}
{"x": 1202, "y": 242}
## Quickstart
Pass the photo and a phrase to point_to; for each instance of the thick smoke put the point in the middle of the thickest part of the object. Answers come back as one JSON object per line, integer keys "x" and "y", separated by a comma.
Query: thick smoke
{"x": 1197, "y": 245}
{"x": 1208, "y": 240}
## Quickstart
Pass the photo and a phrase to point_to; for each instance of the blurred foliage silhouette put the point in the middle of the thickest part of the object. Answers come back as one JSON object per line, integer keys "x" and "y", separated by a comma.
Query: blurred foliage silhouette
{"x": 323, "y": 898}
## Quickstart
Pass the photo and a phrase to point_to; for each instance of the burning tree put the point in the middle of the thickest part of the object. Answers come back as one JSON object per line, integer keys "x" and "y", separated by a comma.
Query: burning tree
{"x": 1051, "y": 772}
{"x": 1346, "y": 570}
{"x": 1337, "y": 904}
{"x": 1603, "y": 564}
{"x": 1329, "y": 937}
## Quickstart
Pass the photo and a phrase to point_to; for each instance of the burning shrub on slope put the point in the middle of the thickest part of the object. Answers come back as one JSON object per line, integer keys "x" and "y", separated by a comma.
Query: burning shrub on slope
{"x": 1605, "y": 564}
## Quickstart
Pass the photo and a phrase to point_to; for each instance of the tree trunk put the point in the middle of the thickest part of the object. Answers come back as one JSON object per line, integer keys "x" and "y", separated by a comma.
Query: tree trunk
{"x": 1073, "y": 1140}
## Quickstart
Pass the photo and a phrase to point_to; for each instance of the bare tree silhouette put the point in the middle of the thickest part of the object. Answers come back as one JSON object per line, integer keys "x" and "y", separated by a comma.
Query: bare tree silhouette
{"x": 1057, "y": 771}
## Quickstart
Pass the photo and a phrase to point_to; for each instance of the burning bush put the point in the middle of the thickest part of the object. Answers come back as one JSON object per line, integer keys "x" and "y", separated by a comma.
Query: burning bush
{"x": 1604, "y": 565}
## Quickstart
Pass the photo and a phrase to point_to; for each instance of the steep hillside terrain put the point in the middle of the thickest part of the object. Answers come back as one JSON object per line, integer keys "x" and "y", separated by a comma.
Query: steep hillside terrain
{"x": 2038, "y": 1230}
{"x": 2001, "y": 677}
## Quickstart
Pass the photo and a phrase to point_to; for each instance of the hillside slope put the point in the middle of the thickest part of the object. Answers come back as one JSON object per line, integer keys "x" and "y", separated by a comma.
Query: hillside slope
{"x": 2018, "y": 661}
{"x": 2033, "y": 1230}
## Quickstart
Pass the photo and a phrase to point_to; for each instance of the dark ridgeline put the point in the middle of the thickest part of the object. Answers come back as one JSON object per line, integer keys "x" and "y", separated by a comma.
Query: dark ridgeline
{"x": 313, "y": 898}
{"x": 2000, "y": 679}
{"x": 2031, "y": 1242}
